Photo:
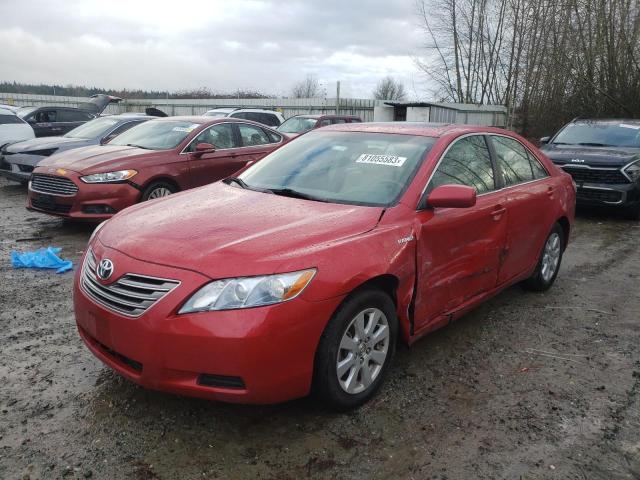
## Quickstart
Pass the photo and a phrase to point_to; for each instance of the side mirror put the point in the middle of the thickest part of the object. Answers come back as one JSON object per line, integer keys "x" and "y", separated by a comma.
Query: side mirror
{"x": 452, "y": 196}
{"x": 107, "y": 139}
{"x": 203, "y": 148}
{"x": 544, "y": 140}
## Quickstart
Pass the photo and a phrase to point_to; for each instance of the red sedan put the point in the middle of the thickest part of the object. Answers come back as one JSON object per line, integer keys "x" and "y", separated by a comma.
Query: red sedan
{"x": 305, "y": 270}
{"x": 151, "y": 160}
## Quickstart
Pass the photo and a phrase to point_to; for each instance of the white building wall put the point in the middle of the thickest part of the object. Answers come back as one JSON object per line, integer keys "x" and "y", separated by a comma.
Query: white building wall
{"x": 418, "y": 114}
{"x": 383, "y": 113}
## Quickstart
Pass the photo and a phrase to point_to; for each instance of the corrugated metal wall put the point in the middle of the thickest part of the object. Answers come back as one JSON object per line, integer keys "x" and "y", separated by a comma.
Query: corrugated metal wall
{"x": 497, "y": 118}
{"x": 288, "y": 106}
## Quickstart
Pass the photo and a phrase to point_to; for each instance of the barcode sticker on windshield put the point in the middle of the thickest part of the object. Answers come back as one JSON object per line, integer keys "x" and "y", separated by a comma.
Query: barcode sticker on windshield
{"x": 188, "y": 129}
{"x": 390, "y": 160}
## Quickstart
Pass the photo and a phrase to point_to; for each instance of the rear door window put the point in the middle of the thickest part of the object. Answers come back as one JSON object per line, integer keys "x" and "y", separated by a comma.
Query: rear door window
{"x": 220, "y": 136}
{"x": 512, "y": 160}
{"x": 251, "y": 136}
{"x": 46, "y": 116}
{"x": 467, "y": 162}
{"x": 538, "y": 169}
{"x": 269, "y": 119}
{"x": 325, "y": 122}
{"x": 73, "y": 116}
{"x": 339, "y": 120}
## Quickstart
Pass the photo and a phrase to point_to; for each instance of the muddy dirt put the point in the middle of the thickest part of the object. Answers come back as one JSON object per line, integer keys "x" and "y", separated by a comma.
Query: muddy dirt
{"x": 528, "y": 386}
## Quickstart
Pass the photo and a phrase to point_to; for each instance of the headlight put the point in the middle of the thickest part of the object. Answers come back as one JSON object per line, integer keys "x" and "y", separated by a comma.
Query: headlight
{"x": 248, "y": 292}
{"x": 632, "y": 171}
{"x": 108, "y": 177}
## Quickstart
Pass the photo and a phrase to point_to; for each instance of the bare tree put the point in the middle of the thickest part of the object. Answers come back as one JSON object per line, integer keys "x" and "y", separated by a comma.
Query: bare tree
{"x": 389, "y": 89}
{"x": 307, "y": 88}
{"x": 547, "y": 61}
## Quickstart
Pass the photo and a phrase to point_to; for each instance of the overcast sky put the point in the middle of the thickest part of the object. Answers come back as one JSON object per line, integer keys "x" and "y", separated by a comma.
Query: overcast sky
{"x": 264, "y": 45}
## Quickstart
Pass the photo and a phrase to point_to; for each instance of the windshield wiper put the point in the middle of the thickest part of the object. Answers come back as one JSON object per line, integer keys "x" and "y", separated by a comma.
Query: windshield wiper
{"x": 237, "y": 180}
{"x": 137, "y": 146}
{"x": 288, "y": 192}
{"x": 594, "y": 144}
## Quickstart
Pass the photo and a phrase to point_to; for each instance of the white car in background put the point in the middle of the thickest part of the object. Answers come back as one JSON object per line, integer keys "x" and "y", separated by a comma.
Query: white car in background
{"x": 13, "y": 128}
{"x": 270, "y": 118}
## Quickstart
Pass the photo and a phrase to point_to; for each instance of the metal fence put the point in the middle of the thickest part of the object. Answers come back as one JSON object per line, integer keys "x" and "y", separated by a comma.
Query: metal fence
{"x": 288, "y": 106}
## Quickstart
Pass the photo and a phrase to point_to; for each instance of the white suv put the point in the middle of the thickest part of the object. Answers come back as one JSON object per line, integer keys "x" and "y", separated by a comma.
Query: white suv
{"x": 269, "y": 118}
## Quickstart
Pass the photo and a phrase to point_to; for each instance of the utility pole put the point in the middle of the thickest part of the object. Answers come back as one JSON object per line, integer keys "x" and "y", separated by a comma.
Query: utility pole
{"x": 338, "y": 98}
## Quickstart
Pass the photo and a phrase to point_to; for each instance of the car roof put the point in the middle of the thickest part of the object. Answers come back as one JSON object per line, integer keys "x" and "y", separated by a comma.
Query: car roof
{"x": 186, "y": 118}
{"x": 413, "y": 128}
{"x": 316, "y": 116}
{"x": 634, "y": 121}
{"x": 6, "y": 111}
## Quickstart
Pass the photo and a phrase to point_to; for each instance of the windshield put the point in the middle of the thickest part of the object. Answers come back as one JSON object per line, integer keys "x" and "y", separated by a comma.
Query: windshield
{"x": 24, "y": 111}
{"x": 600, "y": 134}
{"x": 217, "y": 113}
{"x": 342, "y": 167}
{"x": 156, "y": 134}
{"x": 94, "y": 129}
{"x": 297, "y": 125}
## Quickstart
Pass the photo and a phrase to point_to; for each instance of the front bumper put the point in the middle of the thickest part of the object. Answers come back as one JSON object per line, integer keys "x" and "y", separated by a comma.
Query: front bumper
{"x": 18, "y": 167}
{"x": 608, "y": 194}
{"x": 92, "y": 202}
{"x": 270, "y": 349}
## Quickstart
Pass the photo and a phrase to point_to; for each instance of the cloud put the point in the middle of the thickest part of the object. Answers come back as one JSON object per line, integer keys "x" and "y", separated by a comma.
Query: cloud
{"x": 263, "y": 45}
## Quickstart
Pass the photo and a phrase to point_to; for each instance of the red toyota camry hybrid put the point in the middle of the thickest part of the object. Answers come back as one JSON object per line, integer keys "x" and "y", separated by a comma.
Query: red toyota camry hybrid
{"x": 305, "y": 270}
{"x": 152, "y": 160}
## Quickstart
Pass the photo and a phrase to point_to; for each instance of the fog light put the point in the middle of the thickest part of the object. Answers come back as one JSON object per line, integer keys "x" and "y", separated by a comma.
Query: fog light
{"x": 97, "y": 209}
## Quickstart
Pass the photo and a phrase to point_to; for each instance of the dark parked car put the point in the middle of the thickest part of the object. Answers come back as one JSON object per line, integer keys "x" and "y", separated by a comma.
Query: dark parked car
{"x": 17, "y": 160}
{"x": 54, "y": 121}
{"x": 303, "y": 123}
{"x": 603, "y": 157}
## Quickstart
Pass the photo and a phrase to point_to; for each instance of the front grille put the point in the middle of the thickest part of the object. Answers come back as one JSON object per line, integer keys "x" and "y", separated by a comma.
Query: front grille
{"x": 595, "y": 175}
{"x": 50, "y": 207}
{"x": 53, "y": 185}
{"x": 130, "y": 295}
{"x": 589, "y": 194}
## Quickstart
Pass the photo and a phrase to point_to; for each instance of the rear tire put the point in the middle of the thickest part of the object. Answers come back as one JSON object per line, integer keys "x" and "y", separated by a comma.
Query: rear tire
{"x": 158, "y": 189}
{"x": 549, "y": 262}
{"x": 356, "y": 349}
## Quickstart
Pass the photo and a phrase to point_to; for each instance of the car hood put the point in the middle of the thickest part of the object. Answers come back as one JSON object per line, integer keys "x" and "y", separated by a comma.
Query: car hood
{"x": 594, "y": 156}
{"x": 44, "y": 143}
{"x": 221, "y": 230}
{"x": 95, "y": 157}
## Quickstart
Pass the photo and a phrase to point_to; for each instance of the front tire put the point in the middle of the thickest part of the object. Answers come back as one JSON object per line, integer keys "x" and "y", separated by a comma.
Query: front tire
{"x": 549, "y": 262}
{"x": 158, "y": 190}
{"x": 356, "y": 349}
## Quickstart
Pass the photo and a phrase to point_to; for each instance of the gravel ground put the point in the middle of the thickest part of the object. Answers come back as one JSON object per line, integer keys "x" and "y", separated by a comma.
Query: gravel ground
{"x": 527, "y": 386}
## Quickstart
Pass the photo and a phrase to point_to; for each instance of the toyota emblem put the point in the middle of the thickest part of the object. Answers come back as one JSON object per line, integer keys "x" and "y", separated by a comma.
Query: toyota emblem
{"x": 105, "y": 269}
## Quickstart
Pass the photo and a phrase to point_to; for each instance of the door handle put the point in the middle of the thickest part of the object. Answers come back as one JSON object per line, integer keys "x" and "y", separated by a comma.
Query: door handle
{"x": 498, "y": 211}
{"x": 550, "y": 191}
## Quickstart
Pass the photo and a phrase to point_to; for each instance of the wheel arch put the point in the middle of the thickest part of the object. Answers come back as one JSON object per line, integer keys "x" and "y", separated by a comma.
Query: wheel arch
{"x": 159, "y": 178}
{"x": 566, "y": 229}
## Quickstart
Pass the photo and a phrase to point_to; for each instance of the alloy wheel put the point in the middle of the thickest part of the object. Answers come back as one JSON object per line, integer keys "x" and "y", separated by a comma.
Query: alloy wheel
{"x": 363, "y": 350}
{"x": 550, "y": 257}
{"x": 159, "y": 193}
